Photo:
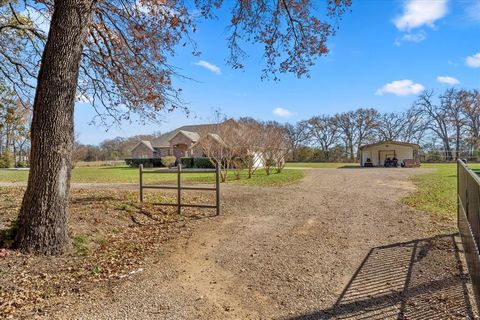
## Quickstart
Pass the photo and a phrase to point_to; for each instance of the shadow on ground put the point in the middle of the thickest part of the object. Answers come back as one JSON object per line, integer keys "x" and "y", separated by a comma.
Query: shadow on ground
{"x": 420, "y": 279}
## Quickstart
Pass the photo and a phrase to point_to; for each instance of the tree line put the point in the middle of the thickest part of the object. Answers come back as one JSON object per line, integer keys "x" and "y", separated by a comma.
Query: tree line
{"x": 118, "y": 148}
{"x": 447, "y": 124}
{"x": 14, "y": 130}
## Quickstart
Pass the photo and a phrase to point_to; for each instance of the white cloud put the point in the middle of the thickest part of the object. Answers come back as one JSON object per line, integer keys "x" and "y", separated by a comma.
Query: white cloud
{"x": 473, "y": 61}
{"x": 209, "y": 66}
{"x": 452, "y": 63}
{"x": 473, "y": 10}
{"x": 282, "y": 112}
{"x": 417, "y": 13}
{"x": 448, "y": 80}
{"x": 411, "y": 37}
{"x": 401, "y": 88}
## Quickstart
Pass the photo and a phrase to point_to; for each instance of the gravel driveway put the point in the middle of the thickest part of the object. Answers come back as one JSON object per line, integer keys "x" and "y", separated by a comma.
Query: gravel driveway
{"x": 337, "y": 245}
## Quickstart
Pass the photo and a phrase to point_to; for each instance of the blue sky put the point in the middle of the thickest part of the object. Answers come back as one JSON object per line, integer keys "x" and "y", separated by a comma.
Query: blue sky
{"x": 384, "y": 54}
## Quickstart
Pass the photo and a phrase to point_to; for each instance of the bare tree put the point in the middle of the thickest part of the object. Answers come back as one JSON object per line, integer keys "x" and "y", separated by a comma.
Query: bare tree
{"x": 296, "y": 135}
{"x": 356, "y": 127}
{"x": 451, "y": 101}
{"x": 366, "y": 121}
{"x": 250, "y": 141}
{"x": 436, "y": 118}
{"x": 324, "y": 132}
{"x": 391, "y": 126}
{"x": 274, "y": 147}
{"x": 14, "y": 125}
{"x": 414, "y": 128}
{"x": 220, "y": 143}
{"x": 346, "y": 123}
{"x": 470, "y": 101}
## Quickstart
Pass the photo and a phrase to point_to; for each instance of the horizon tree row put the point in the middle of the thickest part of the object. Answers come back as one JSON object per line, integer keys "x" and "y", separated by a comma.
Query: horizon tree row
{"x": 447, "y": 124}
{"x": 14, "y": 130}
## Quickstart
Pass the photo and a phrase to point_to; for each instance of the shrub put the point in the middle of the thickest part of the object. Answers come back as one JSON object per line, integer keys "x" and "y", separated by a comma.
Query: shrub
{"x": 23, "y": 164}
{"x": 147, "y": 162}
{"x": 187, "y": 162}
{"x": 168, "y": 161}
{"x": 203, "y": 163}
{"x": 6, "y": 160}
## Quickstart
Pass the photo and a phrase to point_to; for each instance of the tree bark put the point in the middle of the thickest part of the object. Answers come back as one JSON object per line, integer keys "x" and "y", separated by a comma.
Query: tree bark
{"x": 42, "y": 222}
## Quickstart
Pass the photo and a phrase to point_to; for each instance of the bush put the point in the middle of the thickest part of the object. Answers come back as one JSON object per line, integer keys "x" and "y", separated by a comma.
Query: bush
{"x": 23, "y": 164}
{"x": 203, "y": 163}
{"x": 147, "y": 162}
{"x": 168, "y": 161}
{"x": 187, "y": 162}
{"x": 197, "y": 162}
{"x": 6, "y": 160}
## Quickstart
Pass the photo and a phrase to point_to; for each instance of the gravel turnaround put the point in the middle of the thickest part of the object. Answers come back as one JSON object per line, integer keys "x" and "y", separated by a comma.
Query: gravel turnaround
{"x": 338, "y": 245}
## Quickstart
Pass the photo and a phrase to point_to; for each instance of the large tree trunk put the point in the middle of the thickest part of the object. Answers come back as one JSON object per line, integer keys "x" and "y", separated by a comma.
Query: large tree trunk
{"x": 448, "y": 150}
{"x": 42, "y": 224}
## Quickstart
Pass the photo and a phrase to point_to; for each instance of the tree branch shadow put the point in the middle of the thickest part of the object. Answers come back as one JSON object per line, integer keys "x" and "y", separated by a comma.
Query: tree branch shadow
{"x": 419, "y": 279}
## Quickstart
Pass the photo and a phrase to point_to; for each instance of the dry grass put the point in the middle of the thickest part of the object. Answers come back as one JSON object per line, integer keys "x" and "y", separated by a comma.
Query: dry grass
{"x": 112, "y": 235}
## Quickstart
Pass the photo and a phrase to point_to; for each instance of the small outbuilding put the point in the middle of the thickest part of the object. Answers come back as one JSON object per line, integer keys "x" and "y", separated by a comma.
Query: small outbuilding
{"x": 380, "y": 153}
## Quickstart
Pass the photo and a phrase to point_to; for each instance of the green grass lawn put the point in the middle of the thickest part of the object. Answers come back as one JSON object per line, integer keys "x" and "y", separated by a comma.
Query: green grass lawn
{"x": 319, "y": 165}
{"x": 131, "y": 175}
{"x": 437, "y": 191}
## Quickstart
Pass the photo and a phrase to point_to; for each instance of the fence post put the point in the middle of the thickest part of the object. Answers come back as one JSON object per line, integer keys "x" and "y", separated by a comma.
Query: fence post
{"x": 179, "y": 186}
{"x": 141, "y": 181}
{"x": 458, "y": 194}
{"x": 217, "y": 188}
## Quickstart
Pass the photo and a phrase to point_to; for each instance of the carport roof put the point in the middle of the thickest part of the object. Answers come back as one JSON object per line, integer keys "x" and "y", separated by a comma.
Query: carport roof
{"x": 414, "y": 145}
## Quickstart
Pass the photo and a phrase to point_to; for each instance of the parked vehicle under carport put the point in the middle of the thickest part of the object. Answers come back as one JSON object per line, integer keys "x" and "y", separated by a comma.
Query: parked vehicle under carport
{"x": 390, "y": 154}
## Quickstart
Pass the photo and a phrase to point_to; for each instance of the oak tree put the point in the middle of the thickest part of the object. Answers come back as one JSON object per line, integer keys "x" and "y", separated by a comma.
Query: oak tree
{"x": 115, "y": 54}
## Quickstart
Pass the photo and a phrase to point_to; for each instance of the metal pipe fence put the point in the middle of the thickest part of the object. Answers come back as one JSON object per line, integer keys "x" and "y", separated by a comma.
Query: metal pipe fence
{"x": 468, "y": 216}
{"x": 180, "y": 187}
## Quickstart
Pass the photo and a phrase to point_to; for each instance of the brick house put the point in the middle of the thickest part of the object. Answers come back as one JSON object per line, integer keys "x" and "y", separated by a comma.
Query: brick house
{"x": 179, "y": 143}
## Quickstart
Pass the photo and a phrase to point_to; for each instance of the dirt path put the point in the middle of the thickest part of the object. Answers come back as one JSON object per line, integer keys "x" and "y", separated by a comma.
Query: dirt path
{"x": 315, "y": 250}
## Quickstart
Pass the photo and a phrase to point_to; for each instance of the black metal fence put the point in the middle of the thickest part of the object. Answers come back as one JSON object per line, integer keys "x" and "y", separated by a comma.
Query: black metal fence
{"x": 468, "y": 190}
{"x": 179, "y": 187}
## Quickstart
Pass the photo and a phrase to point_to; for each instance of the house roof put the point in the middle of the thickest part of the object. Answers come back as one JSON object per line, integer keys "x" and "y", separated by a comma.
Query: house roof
{"x": 414, "y": 145}
{"x": 144, "y": 142}
{"x": 194, "y": 136}
{"x": 163, "y": 140}
{"x": 213, "y": 136}
{"x": 216, "y": 137}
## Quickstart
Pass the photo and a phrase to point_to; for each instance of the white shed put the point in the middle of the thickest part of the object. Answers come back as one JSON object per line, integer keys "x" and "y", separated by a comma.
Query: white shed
{"x": 378, "y": 152}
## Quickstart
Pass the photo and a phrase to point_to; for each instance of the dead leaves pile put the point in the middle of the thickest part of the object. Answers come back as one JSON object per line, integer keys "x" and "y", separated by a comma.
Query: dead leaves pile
{"x": 117, "y": 236}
